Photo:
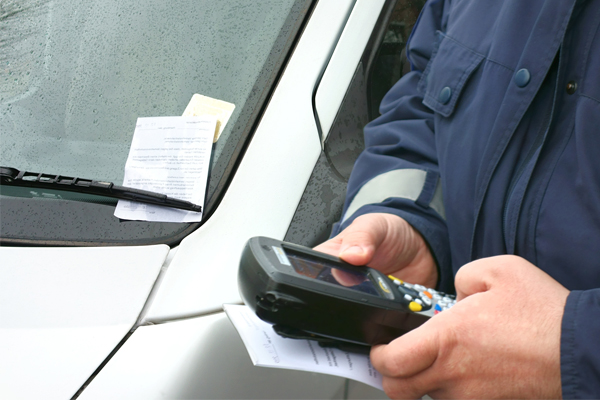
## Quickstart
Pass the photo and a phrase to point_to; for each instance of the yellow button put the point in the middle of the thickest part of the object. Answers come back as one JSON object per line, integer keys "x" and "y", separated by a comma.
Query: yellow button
{"x": 415, "y": 307}
{"x": 392, "y": 277}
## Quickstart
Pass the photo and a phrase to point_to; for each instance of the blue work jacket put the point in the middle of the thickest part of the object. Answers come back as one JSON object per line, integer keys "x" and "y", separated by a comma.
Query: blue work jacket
{"x": 491, "y": 145}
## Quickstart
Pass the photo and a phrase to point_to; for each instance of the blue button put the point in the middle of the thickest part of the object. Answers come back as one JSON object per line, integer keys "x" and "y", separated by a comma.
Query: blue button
{"x": 445, "y": 95}
{"x": 522, "y": 77}
{"x": 438, "y": 307}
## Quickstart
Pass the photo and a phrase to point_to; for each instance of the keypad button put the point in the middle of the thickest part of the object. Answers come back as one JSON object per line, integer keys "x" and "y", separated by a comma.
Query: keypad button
{"x": 415, "y": 307}
{"x": 408, "y": 297}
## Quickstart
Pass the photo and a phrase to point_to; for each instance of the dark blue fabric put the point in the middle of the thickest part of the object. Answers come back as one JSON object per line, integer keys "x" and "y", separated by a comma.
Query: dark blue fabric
{"x": 579, "y": 346}
{"x": 519, "y": 164}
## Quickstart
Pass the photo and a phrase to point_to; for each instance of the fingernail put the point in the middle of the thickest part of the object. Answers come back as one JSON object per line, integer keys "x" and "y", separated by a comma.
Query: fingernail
{"x": 356, "y": 250}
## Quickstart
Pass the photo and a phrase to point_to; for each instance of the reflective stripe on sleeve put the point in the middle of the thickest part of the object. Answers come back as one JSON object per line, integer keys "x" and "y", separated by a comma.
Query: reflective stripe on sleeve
{"x": 402, "y": 183}
{"x": 437, "y": 203}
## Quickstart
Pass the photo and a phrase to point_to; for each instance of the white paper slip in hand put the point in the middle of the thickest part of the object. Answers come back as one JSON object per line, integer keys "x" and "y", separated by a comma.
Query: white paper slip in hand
{"x": 267, "y": 349}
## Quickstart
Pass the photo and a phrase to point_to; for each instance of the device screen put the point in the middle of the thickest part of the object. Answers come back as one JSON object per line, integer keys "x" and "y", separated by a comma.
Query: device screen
{"x": 328, "y": 272}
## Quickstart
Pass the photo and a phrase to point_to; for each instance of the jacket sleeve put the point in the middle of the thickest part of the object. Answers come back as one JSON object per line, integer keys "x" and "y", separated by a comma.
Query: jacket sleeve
{"x": 580, "y": 342}
{"x": 397, "y": 173}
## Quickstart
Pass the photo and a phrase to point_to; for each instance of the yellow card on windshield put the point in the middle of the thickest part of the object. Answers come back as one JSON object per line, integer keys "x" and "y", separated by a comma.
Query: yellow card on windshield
{"x": 201, "y": 105}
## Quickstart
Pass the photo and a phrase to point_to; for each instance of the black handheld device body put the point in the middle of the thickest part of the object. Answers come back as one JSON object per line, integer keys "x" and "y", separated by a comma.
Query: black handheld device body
{"x": 308, "y": 294}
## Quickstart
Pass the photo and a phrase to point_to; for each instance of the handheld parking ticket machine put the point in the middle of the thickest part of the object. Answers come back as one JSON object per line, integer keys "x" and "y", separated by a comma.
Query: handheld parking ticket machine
{"x": 310, "y": 295}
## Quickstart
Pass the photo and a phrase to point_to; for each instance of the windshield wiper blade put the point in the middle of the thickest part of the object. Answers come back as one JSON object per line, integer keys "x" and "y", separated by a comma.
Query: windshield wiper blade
{"x": 14, "y": 177}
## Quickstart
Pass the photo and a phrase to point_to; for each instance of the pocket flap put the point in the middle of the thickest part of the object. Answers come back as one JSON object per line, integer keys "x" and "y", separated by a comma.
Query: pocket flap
{"x": 450, "y": 67}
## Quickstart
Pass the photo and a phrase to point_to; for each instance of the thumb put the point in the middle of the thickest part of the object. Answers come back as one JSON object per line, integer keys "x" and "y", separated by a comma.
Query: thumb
{"x": 361, "y": 239}
{"x": 407, "y": 355}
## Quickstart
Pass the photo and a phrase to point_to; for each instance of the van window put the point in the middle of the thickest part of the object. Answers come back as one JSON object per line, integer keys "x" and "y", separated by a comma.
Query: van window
{"x": 76, "y": 74}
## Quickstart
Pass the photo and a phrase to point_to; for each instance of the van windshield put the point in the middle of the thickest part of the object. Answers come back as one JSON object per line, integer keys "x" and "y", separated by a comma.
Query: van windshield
{"x": 76, "y": 74}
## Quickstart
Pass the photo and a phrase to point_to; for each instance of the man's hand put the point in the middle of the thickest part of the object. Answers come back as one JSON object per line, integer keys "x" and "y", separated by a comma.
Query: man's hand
{"x": 387, "y": 243}
{"x": 501, "y": 339}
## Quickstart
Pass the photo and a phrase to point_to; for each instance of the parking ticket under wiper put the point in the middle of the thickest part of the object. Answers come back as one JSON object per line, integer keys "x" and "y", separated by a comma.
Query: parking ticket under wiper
{"x": 14, "y": 177}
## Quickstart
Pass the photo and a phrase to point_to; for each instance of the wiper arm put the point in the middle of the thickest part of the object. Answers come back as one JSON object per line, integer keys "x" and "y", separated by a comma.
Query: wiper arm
{"x": 14, "y": 177}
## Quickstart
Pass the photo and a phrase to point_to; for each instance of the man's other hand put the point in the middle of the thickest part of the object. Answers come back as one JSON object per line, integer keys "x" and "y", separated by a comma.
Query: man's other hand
{"x": 500, "y": 340}
{"x": 386, "y": 243}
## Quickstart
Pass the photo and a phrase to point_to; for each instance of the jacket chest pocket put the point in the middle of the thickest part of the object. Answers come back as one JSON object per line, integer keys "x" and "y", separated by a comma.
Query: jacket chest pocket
{"x": 450, "y": 67}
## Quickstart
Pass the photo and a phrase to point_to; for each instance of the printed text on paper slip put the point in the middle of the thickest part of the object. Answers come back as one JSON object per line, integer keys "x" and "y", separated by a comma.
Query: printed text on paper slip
{"x": 168, "y": 155}
{"x": 267, "y": 349}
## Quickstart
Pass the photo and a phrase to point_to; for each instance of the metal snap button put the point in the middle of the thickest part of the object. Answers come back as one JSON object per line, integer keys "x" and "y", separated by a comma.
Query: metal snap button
{"x": 522, "y": 77}
{"x": 445, "y": 95}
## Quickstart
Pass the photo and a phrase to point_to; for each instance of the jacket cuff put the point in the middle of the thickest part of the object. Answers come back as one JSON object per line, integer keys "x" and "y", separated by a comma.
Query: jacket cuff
{"x": 580, "y": 346}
